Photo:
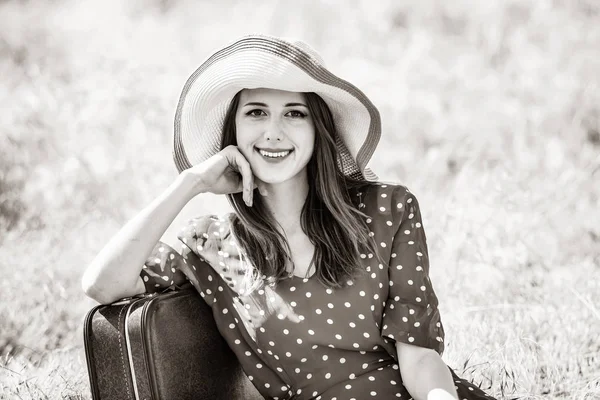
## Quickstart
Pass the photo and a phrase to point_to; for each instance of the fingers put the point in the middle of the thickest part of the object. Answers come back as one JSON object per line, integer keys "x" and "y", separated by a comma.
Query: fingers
{"x": 243, "y": 167}
{"x": 249, "y": 181}
{"x": 262, "y": 189}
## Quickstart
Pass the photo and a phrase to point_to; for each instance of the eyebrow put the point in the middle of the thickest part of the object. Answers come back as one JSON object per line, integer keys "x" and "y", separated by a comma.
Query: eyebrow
{"x": 264, "y": 105}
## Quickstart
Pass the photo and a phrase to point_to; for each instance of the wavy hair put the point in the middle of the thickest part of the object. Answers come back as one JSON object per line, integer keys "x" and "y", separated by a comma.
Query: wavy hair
{"x": 330, "y": 216}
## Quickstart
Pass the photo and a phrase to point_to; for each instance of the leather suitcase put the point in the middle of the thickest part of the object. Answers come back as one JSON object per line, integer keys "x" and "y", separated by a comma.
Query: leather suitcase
{"x": 161, "y": 346}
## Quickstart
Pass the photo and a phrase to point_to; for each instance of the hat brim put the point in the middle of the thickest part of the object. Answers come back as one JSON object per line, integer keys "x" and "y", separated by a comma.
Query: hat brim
{"x": 267, "y": 62}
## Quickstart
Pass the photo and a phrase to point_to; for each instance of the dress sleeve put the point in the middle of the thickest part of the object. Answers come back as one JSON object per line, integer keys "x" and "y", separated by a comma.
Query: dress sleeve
{"x": 199, "y": 246}
{"x": 166, "y": 266}
{"x": 210, "y": 238}
{"x": 411, "y": 313}
{"x": 161, "y": 269}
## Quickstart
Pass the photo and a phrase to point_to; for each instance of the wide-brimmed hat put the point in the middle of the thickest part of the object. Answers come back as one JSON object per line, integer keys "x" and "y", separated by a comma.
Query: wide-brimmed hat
{"x": 260, "y": 61}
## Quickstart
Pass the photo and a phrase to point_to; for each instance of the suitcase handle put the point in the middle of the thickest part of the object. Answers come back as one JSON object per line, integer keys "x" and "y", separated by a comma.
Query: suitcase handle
{"x": 127, "y": 300}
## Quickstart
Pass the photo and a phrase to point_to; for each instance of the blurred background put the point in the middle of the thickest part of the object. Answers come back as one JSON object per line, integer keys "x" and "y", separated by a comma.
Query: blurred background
{"x": 491, "y": 115}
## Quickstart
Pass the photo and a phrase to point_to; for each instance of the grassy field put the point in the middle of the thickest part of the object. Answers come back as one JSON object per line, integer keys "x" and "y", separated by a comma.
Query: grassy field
{"x": 491, "y": 113}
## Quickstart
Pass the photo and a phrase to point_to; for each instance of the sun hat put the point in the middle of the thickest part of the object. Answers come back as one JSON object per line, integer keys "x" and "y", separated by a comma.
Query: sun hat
{"x": 261, "y": 61}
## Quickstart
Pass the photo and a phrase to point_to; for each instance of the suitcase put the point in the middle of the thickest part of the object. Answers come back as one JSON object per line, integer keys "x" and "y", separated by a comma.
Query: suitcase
{"x": 161, "y": 346}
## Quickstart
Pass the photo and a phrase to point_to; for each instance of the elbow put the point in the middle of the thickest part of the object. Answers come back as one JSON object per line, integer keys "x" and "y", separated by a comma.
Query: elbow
{"x": 107, "y": 290}
{"x": 96, "y": 292}
{"x": 93, "y": 291}
{"x": 411, "y": 356}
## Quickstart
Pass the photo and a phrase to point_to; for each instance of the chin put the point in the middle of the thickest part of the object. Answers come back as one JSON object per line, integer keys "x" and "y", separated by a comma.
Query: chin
{"x": 273, "y": 179}
{"x": 275, "y": 176}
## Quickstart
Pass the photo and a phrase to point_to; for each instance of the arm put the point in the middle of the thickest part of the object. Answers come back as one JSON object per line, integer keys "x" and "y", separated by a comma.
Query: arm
{"x": 424, "y": 373}
{"x": 411, "y": 317}
{"x": 115, "y": 272}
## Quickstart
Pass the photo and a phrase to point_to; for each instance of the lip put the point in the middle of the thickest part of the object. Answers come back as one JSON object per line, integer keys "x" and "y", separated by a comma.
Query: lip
{"x": 274, "y": 160}
{"x": 271, "y": 150}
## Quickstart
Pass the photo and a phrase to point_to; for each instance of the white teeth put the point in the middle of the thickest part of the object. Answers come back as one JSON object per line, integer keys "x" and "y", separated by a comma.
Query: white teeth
{"x": 274, "y": 155}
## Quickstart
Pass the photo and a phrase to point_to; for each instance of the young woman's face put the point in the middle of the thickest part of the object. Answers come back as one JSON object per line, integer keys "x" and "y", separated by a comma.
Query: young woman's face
{"x": 275, "y": 133}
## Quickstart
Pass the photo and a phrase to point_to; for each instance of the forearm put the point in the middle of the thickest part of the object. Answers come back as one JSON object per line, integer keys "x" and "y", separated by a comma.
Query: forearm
{"x": 114, "y": 273}
{"x": 429, "y": 379}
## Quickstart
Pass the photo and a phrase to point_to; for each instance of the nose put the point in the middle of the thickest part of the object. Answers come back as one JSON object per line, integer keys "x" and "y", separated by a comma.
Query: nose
{"x": 274, "y": 130}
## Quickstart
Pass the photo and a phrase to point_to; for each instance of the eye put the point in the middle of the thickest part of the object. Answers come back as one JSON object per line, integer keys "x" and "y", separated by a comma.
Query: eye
{"x": 256, "y": 113}
{"x": 296, "y": 114}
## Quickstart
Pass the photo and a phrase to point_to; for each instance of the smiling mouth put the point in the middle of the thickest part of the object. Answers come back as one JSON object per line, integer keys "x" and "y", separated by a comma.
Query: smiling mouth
{"x": 274, "y": 154}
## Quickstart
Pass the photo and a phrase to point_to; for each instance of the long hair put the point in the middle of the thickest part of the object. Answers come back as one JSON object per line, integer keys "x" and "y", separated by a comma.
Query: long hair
{"x": 330, "y": 216}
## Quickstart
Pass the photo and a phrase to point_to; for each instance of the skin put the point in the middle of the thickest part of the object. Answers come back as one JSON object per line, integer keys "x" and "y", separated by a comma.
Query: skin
{"x": 280, "y": 120}
{"x": 277, "y": 119}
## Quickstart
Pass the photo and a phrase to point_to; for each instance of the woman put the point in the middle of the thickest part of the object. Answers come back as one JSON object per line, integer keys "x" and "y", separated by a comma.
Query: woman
{"x": 319, "y": 278}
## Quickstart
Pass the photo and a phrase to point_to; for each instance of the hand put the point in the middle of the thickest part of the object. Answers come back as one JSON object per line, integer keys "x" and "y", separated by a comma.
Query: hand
{"x": 226, "y": 172}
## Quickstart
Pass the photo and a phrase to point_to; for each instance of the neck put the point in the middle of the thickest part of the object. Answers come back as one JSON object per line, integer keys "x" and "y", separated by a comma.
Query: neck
{"x": 285, "y": 201}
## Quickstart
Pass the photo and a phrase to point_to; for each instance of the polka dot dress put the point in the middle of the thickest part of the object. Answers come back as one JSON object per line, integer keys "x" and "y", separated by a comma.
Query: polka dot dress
{"x": 299, "y": 339}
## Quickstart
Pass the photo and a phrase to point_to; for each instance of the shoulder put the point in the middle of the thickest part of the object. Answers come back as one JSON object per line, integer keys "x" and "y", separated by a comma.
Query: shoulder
{"x": 209, "y": 226}
{"x": 210, "y": 238}
{"x": 389, "y": 205}
{"x": 207, "y": 235}
{"x": 385, "y": 198}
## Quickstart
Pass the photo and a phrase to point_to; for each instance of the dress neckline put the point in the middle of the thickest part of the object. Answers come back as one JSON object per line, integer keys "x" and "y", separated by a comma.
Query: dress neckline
{"x": 297, "y": 278}
{"x": 310, "y": 266}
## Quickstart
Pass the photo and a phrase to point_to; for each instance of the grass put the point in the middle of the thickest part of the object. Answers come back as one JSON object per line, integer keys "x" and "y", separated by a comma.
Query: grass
{"x": 491, "y": 116}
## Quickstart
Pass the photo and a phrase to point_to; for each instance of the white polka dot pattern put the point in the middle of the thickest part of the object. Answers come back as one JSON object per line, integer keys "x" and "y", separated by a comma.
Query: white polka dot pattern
{"x": 411, "y": 315}
{"x": 162, "y": 269}
{"x": 299, "y": 338}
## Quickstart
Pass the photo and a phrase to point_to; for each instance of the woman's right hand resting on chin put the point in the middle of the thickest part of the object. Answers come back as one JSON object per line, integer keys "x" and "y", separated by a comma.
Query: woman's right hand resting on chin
{"x": 115, "y": 271}
{"x": 226, "y": 172}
